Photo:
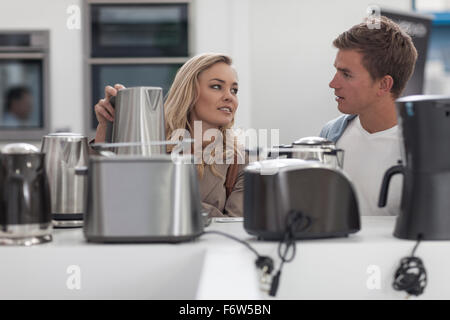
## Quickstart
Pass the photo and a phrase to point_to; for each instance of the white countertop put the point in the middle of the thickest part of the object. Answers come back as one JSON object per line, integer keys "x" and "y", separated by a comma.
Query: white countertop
{"x": 360, "y": 266}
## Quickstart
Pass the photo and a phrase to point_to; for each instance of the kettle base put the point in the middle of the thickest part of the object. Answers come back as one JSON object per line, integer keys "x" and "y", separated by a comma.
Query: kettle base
{"x": 28, "y": 241}
{"x": 25, "y": 234}
{"x": 67, "y": 224}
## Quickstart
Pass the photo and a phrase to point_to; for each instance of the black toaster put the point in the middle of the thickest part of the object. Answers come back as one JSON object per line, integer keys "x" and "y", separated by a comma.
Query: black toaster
{"x": 321, "y": 195}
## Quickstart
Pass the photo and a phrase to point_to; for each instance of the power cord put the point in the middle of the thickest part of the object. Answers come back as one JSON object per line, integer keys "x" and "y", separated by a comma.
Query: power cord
{"x": 294, "y": 221}
{"x": 262, "y": 262}
{"x": 411, "y": 275}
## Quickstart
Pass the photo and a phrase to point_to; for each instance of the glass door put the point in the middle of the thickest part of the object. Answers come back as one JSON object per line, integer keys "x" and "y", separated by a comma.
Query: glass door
{"x": 139, "y": 30}
{"x": 21, "y": 92}
{"x": 136, "y": 43}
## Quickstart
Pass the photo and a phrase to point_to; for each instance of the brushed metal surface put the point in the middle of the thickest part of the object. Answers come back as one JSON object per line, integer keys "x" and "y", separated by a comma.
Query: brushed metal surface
{"x": 139, "y": 117}
{"x": 142, "y": 199}
{"x": 65, "y": 152}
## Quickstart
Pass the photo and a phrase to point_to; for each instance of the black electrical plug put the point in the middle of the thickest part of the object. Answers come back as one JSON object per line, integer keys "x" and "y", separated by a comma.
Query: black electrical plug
{"x": 265, "y": 262}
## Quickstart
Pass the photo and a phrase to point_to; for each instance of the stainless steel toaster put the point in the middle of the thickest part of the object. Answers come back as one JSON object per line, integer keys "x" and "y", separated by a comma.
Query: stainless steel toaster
{"x": 142, "y": 199}
{"x": 320, "y": 193}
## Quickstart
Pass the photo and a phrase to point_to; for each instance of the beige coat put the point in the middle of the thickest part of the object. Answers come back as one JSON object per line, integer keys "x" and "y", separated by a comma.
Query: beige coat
{"x": 213, "y": 192}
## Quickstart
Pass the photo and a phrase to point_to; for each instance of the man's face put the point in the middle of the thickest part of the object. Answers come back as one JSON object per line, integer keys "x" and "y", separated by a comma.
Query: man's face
{"x": 22, "y": 107}
{"x": 355, "y": 90}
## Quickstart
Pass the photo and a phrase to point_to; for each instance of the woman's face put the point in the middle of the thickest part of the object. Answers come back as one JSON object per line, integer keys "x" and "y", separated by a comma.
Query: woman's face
{"x": 217, "y": 96}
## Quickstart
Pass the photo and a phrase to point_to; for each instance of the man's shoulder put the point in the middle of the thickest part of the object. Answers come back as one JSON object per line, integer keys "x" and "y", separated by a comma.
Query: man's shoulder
{"x": 337, "y": 121}
{"x": 334, "y": 128}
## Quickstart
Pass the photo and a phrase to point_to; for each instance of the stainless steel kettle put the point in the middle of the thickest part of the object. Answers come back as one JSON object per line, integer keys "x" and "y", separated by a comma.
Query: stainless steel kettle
{"x": 139, "y": 118}
{"x": 312, "y": 148}
{"x": 25, "y": 217}
{"x": 65, "y": 152}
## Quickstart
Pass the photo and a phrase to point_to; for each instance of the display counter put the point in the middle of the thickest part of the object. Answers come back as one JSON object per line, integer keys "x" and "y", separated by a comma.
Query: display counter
{"x": 360, "y": 266}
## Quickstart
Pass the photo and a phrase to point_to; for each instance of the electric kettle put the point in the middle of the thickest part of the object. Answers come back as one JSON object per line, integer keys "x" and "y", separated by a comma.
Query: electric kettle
{"x": 65, "y": 152}
{"x": 139, "y": 118}
{"x": 25, "y": 217}
{"x": 312, "y": 149}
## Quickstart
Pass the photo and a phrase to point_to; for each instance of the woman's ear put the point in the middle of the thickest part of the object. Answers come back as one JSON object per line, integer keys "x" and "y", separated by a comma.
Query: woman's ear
{"x": 386, "y": 84}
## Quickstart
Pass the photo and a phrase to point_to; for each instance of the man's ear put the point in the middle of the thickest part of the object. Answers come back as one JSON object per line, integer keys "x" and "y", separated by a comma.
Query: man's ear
{"x": 385, "y": 85}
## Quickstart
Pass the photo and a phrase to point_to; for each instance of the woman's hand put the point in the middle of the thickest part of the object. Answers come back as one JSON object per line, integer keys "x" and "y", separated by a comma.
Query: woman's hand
{"x": 104, "y": 111}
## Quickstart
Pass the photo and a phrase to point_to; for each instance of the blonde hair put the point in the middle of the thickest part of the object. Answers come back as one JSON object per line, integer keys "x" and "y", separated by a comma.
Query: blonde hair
{"x": 183, "y": 96}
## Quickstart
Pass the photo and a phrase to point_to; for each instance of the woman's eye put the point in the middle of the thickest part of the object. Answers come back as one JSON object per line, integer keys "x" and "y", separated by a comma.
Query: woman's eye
{"x": 216, "y": 86}
{"x": 235, "y": 90}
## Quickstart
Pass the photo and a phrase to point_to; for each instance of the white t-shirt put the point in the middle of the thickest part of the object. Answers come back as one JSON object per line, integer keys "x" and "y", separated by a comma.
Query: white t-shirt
{"x": 367, "y": 156}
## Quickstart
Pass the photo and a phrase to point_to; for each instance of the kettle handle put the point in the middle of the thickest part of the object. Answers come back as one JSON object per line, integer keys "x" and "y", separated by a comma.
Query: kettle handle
{"x": 109, "y": 125}
{"x": 338, "y": 153}
{"x": 385, "y": 184}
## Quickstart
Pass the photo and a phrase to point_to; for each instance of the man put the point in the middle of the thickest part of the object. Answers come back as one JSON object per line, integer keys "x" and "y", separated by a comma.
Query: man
{"x": 372, "y": 69}
{"x": 19, "y": 105}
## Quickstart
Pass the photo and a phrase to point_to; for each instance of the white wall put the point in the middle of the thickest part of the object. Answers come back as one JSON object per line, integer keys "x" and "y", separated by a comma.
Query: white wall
{"x": 65, "y": 54}
{"x": 292, "y": 61}
{"x": 223, "y": 26}
{"x": 281, "y": 49}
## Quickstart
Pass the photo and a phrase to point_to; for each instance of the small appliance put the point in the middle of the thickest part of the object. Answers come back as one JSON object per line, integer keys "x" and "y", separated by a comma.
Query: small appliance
{"x": 138, "y": 118}
{"x": 321, "y": 194}
{"x": 65, "y": 152}
{"x": 311, "y": 148}
{"x": 424, "y": 123}
{"x": 142, "y": 199}
{"x": 25, "y": 217}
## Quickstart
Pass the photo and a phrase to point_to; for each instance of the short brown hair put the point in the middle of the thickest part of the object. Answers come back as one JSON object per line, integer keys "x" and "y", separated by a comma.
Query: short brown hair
{"x": 386, "y": 50}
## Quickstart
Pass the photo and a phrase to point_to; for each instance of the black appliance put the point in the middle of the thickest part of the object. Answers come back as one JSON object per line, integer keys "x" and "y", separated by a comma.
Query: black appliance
{"x": 424, "y": 122}
{"x": 25, "y": 217}
{"x": 321, "y": 194}
{"x": 418, "y": 26}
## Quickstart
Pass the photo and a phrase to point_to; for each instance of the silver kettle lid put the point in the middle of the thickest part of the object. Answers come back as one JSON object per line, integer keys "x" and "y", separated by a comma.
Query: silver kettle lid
{"x": 313, "y": 141}
{"x": 19, "y": 148}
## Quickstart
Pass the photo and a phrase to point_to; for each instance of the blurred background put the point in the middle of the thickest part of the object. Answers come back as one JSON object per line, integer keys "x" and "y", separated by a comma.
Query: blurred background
{"x": 56, "y": 56}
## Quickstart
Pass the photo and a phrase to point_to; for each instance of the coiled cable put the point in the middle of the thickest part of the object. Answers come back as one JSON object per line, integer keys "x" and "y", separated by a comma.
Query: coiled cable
{"x": 411, "y": 275}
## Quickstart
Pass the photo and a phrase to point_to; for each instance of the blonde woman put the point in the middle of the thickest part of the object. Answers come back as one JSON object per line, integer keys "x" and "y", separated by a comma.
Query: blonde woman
{"x": 203, "y": 95}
